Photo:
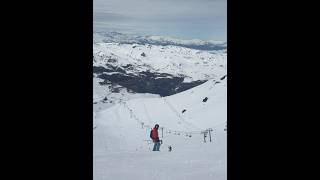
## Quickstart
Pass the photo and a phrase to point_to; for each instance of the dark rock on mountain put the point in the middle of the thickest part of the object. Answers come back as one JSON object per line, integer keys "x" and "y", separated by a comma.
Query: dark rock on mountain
{"x": 145, "y": 82}
{"x": 205, "y": 99}
{"x": 223, "y": 77}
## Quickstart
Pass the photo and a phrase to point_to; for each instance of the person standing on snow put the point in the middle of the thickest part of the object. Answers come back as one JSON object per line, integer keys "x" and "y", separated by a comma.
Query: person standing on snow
{"x": 155, "y": 138}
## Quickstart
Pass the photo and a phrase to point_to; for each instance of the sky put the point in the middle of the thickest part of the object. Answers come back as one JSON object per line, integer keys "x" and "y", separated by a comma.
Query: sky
{"x": 186, "y": 19}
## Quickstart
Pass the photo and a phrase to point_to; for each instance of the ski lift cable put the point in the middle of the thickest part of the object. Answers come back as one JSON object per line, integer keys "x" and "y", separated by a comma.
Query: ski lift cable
{"x": 182, "y": 132}
{"x": 132, "y": 114}
{"x": 147, "y": 125}
{"x": 137, "y": 118}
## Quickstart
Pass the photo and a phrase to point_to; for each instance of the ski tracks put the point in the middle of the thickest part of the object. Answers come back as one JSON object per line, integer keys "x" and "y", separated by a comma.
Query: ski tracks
{"x": 180, "y": 117}
{"x": 147, "y": 113}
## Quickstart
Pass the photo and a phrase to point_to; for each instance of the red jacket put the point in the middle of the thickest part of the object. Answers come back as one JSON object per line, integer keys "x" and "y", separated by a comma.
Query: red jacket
{"x": 155, "y": 136}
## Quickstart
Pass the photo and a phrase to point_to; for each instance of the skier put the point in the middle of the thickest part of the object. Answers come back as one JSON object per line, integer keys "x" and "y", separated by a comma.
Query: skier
{"x": 155, "y": 138}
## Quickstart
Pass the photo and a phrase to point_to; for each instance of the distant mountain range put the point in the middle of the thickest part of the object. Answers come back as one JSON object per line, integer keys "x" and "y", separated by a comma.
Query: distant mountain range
{"x": 109, "y": 37}
{"x": 126, "y": 65}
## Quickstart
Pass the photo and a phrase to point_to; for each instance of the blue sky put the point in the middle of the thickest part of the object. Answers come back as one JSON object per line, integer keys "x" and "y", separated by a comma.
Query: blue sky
{"x": 188, "y": 19}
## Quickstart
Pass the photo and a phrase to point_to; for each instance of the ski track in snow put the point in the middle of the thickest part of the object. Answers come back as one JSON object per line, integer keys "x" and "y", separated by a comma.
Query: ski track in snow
{"x": 147, "y": 113}
{"x": 193, "y": 127}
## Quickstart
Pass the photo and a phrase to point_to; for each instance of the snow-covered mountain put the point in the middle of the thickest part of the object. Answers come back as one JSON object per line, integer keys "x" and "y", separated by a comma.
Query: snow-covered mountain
{"x": 126, "y": 64}
{"x": 140, "y": 81}
{"x": 122, "y": 147}
{"x": 116, "y": 37}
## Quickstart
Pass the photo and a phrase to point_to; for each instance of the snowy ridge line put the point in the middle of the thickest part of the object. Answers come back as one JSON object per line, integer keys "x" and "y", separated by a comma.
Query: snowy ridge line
{"x": 148, "y": 126}
{"x": 122, "y": 38}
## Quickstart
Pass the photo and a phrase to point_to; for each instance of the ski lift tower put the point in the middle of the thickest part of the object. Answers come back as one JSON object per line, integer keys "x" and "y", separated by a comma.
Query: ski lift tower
{"x": 204, "y": 135}
{"x": 161, "y": 132}
{"x": 209, "y": 130}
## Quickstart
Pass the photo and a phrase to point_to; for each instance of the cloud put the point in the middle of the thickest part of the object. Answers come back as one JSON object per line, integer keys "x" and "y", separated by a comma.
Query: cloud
{"x": 168, "y": 16}
{"x": 105, "y": 16}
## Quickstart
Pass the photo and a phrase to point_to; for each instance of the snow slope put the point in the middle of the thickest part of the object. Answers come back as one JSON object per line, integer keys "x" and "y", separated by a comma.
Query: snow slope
{"x": 122, "y": 149}
{"x": 174, "y": 60}
{"x": 167, "y": 58}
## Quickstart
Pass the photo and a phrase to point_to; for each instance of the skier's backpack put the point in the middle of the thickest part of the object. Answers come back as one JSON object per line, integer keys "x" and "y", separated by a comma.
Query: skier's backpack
{"x": 151, "y": 134}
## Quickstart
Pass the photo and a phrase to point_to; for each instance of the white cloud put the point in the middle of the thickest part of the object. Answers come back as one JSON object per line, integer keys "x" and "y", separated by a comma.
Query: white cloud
{"x": 210, "y": 15}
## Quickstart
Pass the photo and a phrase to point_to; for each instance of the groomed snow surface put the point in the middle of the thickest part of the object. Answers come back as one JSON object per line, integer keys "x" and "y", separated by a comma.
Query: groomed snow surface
{"x": 122, "y": 147}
